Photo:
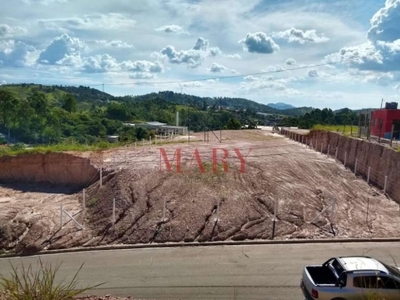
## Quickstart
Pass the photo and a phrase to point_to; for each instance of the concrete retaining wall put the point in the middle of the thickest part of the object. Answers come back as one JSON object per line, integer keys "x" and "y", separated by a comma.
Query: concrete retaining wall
{"x": 359, "y": 155}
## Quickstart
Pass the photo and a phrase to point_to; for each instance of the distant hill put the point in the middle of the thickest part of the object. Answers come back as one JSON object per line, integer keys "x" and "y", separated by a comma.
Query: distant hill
{"x": 297, "y": 111}
{"x": 357, "y": 110}
{"x": 87, "y": 97}
{"x": 280, "y": 105}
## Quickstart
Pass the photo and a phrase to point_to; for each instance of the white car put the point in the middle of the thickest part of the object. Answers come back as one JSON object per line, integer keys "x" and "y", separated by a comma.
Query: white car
{"x": 351, "y": 278}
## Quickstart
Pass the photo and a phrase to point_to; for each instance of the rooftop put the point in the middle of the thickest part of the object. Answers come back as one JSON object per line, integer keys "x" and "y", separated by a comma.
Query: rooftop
{"x": 362, "y": 263}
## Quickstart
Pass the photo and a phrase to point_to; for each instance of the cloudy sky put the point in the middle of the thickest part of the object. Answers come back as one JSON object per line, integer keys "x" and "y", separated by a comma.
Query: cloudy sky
{"x": 303, "y": 52}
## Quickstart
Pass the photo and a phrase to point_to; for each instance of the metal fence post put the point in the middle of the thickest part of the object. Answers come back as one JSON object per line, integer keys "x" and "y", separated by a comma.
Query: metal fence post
{"x": 369, "y": 173}
{"x": 113, "y": 216}
{"x": 385, "y": 186}
{"x": 84, "y": 199}
{"x": 275, "y": 213}
{"x": 164, "y": 209}
{"x": 345, "y": 158}
{"x": 61, "y": 217}
{"x": 316, "y": 145}
{"x": 329, "y": 150}
{"x": 217, "y": 210}
{"x": 355, "y": 167}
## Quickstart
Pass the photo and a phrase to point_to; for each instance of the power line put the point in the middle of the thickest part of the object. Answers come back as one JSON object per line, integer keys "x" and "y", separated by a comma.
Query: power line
{"x": 347, "y": 60}
{"x": 215, "y": 77}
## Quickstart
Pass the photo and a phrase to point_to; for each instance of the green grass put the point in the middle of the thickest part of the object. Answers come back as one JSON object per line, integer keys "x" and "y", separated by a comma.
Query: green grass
{"x": 336, "y": 128}
{"x": 62, "y": 147}
{"x": 28, "y": 284}
{"x": 92, "y": 202}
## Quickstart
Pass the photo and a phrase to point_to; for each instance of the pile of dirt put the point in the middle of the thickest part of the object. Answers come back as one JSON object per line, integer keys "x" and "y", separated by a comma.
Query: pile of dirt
{"x": 50, "y": 168}
{"x": 200, "y": 207}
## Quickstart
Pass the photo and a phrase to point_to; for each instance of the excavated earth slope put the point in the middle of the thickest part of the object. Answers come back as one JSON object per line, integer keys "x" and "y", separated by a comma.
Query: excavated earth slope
{"x": 304, "y": 182}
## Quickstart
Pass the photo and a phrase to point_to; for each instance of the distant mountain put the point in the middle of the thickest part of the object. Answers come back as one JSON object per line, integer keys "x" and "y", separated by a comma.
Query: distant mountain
{"x": 297, "y": 111}
{"x": 280, "y": 106}
{"x": 87, "y": 97}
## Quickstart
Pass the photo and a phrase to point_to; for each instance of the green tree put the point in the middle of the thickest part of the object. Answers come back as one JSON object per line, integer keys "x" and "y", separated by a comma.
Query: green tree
{"x": 69, "y": 103}
{"x": 233, "y": 124}
{"x": 9, "y": 108}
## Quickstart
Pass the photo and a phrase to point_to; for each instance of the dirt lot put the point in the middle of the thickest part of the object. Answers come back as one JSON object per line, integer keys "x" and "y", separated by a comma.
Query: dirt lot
{"x": 303, "y": 182}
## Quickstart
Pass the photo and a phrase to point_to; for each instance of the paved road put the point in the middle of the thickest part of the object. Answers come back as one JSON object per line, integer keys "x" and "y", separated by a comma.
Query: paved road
{"x": 231, "y": 272}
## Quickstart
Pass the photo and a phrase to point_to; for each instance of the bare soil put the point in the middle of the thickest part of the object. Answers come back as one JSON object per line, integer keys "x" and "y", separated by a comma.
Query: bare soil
{"x": 304, "y": 183}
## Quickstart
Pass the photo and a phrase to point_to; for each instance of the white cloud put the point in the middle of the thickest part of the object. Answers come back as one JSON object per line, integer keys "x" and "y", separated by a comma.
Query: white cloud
{"x": 217, "y": 68}
{"x": 192, "y": 57}
{"x": 259, "y": 42}
{"x": 60, "y": 48}
{"x": 381, "y": 56}
{"x": 10, "y": 31}
{"x": 141, "y": 75}
{"x": 16, "y": 54}
{"x": 143, "y": 66}
{"x": 385, "y": 22}
{"x": 381, "y": 79}
{"x": 94, "y": 21}
{"x": 191, "y": 84}
{"x": 252, "y": 83}
{"x": 100, "y": 64}
{"x": 290, "y": 62}
{"x": 43, "y": 2}
{"x": 382, "y": 51}
{"x": 3, "y": 82}
{"x": 106, "y": 63}
{"x": 313, "y": 73}
{"x": 236, "y": 55}
{"x": 115, "y": 44}
{"x": 172, "y": 29}
{"x": 300, "y": 36}
{"x": 201, "y": 44}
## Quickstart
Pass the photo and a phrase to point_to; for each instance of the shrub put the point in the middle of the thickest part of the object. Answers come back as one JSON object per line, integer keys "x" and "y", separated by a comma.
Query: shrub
{"x": 39, "y": 285}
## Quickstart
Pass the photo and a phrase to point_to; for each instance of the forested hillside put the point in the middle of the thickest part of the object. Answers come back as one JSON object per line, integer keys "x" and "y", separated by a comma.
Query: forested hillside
{"x": 37, "y": 114}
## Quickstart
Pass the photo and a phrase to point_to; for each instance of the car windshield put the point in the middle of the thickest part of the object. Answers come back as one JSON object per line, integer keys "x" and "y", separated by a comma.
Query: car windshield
{"x": 394, "y": 270}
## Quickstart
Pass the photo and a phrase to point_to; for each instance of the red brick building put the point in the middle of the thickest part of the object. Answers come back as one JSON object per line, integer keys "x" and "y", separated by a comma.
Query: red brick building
{"x": 383, "y": 119}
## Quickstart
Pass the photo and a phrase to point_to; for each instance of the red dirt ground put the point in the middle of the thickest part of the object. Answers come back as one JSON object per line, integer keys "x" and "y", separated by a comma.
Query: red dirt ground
{"x": 303, "y": 181}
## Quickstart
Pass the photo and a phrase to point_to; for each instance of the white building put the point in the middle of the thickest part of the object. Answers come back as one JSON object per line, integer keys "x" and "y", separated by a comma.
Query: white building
{"x": 163, "y": 128}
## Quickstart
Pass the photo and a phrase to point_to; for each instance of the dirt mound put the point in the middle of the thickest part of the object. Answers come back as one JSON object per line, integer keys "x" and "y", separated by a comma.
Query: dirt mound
{"x": 51, "y": 168}
{"x": 306, "y": 184}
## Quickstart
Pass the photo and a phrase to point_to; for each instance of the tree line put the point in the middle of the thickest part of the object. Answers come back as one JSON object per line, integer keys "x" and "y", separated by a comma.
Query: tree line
{"x": 325, "y": 116}
{"x": 34, "y": 116}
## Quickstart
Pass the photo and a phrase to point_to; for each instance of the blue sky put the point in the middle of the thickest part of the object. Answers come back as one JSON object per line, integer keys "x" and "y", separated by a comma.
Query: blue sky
{"x": 136, "y": 47}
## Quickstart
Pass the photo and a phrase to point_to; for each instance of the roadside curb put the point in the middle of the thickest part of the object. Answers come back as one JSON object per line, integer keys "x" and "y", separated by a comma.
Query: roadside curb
{"x": 205, "y": 244}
